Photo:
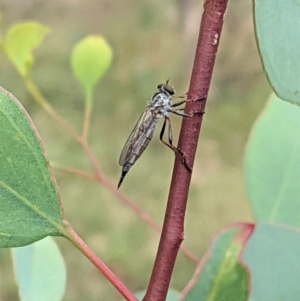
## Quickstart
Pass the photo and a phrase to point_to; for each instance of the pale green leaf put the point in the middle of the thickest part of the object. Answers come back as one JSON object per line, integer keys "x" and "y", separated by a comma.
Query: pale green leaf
{"x": 40, "y": 271}
{"x": 277, "y": 25}
{"x": 272, "y": 255}
{"x": 90, "y": 59}
{"x": 272, "y": 164}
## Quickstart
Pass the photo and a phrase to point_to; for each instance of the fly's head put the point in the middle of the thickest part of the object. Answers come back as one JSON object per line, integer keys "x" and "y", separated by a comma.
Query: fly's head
{"x": 160, "y": 103}
{"x": 166, "y": 88}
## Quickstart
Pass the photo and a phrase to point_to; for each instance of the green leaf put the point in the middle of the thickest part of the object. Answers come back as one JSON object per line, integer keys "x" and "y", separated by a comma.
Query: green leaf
{"x": 272, "y": 255}
{"x": 90, "y": 59}
{"x": 29, "y": 200}
{"x": 277, "y": 25}
{"x": 272, "y": 164}
{"x": 19, "y": 42}
{"x": 222, "y": 277}
{"x": 40, "y": 271}
{"x": 171, "y": 296}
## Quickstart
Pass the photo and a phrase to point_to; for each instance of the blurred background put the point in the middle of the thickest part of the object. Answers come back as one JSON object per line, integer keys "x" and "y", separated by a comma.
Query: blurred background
{"x": 151, "y": 41}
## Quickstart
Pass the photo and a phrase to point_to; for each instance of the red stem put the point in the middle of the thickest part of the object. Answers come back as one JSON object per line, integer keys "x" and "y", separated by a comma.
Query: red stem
{"x": 172, "y": 233}
{"x": 109, "y": 275}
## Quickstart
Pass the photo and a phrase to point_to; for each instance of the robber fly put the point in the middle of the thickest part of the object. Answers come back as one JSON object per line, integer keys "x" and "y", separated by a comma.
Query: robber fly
{"x": 159, "y": 106}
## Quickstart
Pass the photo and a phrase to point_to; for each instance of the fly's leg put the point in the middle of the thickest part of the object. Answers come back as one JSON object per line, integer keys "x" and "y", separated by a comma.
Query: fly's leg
{"x": 161, "y": 136}
{"x": 170, "y": 144}
{"x": 182, "y": 96}
{"x": 179, "y": 103}
{"x": 177, "y": 112}
{"x": 192, "y": 113}
{"x": 170, "y": 133}
{"x": 184, "y": 101}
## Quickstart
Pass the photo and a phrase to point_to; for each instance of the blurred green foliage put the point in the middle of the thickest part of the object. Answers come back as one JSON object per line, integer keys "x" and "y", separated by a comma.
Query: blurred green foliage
{"x": 90, "y": 59}
{"x": 151, "y": 41}
{"x": 18, "y": 43}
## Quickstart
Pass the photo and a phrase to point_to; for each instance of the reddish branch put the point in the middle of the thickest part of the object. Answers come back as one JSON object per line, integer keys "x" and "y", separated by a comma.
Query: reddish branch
{"x": 173, "y": 233}
{"x": 110, "y": 276}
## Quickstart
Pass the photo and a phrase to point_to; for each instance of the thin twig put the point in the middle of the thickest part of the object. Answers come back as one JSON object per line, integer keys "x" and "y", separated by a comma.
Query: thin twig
{"x": 87, "y": 115}
{"x": 173, "y": 233}
{"x": 77, "y": 172}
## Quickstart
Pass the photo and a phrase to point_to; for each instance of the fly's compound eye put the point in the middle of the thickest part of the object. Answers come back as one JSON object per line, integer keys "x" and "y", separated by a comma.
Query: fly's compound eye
{"x": 169, "y": 89}
{"x": 166, "y": 88}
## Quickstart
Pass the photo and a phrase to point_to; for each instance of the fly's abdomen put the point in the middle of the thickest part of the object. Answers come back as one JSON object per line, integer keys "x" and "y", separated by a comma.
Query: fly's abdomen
{"x": 135, "y": 146}
{"x": 144, "y": 140}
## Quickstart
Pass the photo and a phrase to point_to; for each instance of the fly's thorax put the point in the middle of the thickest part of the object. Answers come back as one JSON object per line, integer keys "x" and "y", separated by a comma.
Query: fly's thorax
{"x": 160, "y": 99}
{"x": 160, "y": 104}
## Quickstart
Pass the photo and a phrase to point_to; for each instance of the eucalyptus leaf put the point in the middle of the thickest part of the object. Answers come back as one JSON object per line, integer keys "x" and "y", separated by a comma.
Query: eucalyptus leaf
{"x": 40, "y": 271}
{"x": 222, "y": 276}
{"x": 272, "y": 164}
{"x": 272, "y": 255}
{"x": 277, "y": 26}
{"x": 29, "y": 199}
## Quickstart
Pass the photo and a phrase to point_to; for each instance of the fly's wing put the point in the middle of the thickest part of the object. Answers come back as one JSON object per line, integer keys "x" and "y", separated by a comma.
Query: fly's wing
{"x": 138, "y": 139}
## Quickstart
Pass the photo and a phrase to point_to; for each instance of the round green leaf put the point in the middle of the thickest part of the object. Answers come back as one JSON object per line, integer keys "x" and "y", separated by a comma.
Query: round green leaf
{"x": 19, "y": 42}
{"x": 277, "y": 25}
{"x": 272, "y": 255}
{"x": 90, "y": 59}
{"x": 222, "y": 276}
{"x": 272, "y": 164}
{"x": 29, "y": 200}
{"x": 40, "y": 271}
